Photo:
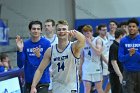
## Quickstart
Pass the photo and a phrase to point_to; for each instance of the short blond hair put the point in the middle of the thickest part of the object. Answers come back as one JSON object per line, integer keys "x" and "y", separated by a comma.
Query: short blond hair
{"x": 87, "y": 28}
{"x": 62, "y": 22}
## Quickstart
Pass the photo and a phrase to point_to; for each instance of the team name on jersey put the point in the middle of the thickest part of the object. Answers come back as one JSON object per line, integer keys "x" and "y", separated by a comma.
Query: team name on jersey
{"x": 31, "y": 49}
{"x": 132, "y": 45}
{"x": 60, "y": 58}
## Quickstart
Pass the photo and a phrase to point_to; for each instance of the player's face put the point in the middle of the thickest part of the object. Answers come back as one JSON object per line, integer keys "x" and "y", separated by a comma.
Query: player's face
{"x": 35, "y": 31}
{"x": 112, "y": 26}
{"x": 103, "y": 31}
{"x": 48, "y": 27}
{"x": 88, "y": 34}
{"x": 133, "y": 28}
{"x": 62, "y": 31}
{"x": 125, "y": 27}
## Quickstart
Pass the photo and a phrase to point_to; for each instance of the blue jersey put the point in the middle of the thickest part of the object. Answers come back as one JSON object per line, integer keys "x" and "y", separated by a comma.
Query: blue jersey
{"x": 130, "y": 63}
{"x": 31, "y": 62}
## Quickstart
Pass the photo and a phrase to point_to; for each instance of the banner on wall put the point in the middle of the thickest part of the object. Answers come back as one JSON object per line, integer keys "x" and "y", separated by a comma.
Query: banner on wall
{"x": 3, "y": 33}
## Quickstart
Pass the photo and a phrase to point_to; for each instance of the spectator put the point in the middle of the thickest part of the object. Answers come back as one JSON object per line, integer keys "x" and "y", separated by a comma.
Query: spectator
{"x": 5, "y": 62}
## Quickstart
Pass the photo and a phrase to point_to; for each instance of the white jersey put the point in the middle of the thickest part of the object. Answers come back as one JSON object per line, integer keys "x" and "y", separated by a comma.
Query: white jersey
{"x": 64, "y": 67}
{"x": 53, "y": 40}
{"x": 106, "y": 46}
{"x": 110, "y": 38}
{"x": 91, "y": 64}
{"x": 105, "y": 52}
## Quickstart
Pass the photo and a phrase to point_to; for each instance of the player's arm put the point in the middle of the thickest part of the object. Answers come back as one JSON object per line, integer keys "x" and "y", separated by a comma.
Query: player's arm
{"x": 104, "y": 59}
{"x": 38, "y": 74}
{"x": 98, "y": 47}
{"x": 79, "y": 43}
{"x": 81, "y": 63}
{"x": 116, "y": 67}
{"x": 117, "y": 70}
{"x": 21, "y": 52}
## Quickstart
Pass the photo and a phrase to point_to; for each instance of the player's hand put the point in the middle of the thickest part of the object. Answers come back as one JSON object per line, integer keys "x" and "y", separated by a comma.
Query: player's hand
{"x": 121, "y": 79}
{"x": 89, "y": 40}
{"x": 132, "y": 51}
{"x": 19, "y": 43}
{"x": 72, "y": 33}
{"x": 37, "y": 51}
{"x": 33, "y": 90}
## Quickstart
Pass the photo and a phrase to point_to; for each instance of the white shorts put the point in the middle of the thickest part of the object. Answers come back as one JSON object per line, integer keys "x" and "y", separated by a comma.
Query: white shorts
{"x": 105, "y": 71}
{"x": 92, "y": 77}
{"x": 61, "y": 88}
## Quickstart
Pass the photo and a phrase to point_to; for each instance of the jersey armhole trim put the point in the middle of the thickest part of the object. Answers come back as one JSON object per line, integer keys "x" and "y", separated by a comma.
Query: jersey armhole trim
{"x": 51, "y": 50}
{"x": 73, "y": 53}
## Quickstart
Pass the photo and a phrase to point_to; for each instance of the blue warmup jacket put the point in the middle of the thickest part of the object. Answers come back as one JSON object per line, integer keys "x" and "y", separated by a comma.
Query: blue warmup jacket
{"x": 130, "y": 63}
{"x": 30, "y": 62}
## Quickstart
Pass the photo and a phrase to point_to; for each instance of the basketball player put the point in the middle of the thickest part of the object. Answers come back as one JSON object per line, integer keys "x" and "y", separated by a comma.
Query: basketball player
{"x": 29, "y": 55}
{"x": 62, "y": 57}
{"x": 90, "y": 61}
{"x": 129, "y": 56}
{"x": 50, "y": 31}
{"x": 105, "y": 55}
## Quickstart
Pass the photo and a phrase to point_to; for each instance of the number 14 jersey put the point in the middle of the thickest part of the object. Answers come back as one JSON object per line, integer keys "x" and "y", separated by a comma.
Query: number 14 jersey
{"x": 64, "y": 66}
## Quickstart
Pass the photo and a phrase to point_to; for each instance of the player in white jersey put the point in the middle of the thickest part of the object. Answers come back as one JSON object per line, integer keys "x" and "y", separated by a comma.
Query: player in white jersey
{"x": 52, "y": 37}
{"x": 62, "y": 57}
{"x": 50, "y": 31}
{"x": 105, "y": 54}
{"x": 111, "y": 34}
{"x": 105, "y": 43}
{"x": 90, "y": 65}
{"x": 65, "y": 71}
{"x": 53, "y": 40}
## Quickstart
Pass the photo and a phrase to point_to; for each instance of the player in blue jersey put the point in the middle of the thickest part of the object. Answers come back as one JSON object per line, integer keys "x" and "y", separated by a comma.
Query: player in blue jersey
{"x": 30, "y": 54}
{"x": 129, "y": 55}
